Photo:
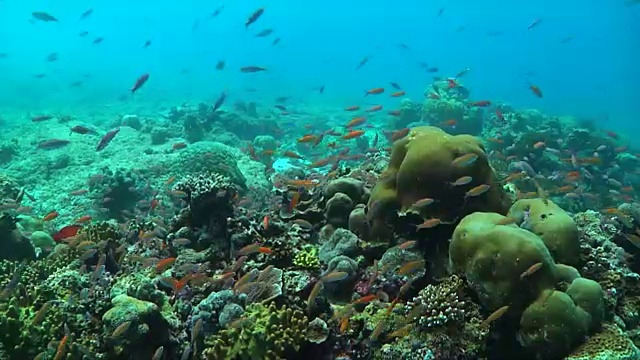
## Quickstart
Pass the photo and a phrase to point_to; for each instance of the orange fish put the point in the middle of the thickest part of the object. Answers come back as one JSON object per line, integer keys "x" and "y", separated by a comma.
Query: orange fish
{"x": 397, "y": 94}
{"x": 478, "y": 190}
{"x": 164, "y": 264}
{"x": 265, "y": 222}
{"x": 399, "y": 134}
{"x": 170, "y": 181}
{"x": 292, "y": 154}
{"x": 464, "y": 160}
{"x": 344, "y": 324}
{"x": 410, "y": 267}
{"x": 250, "y": 249}
{"x": 365, "y": 299}
{"x": 268, "y": 152}
{"x": 407, "y": 245}
{"x": 450, "y": 122}
{"x": 320, "y": 163}
{"x": 294, "y": 201}
{"x": 62, "y": 347}
{"x": 313, "y": 295}
{"x": 264, "y": 250}
{"x": 535, "y": 90}
{"x": 334, "y": 276}
{"x": 307, "y": 139}
{"x": 539, "y": 145}
{"x": 50, "y": 216}
{"x": 356, "y": 121}
{"x": 495, "y": 315}
{"x": 352, "y": 108}
{"x": 531, "y": 270}
{"x": 303, "y": 183}
{"x": 353, "y": 134}
{"x": 374, "y": 91}
{"x": 83, "y": 219}
{"x": 374, "y": 108}
{"x": 429, "y": 223}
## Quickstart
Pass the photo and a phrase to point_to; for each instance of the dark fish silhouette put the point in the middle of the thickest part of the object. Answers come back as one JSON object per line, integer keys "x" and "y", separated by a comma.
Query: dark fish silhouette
{"x": 567, "y": 39}
{"x": 220, "y": 65}
{"x": 254, "y": 17}
{"x": 146, "y": 44}
{"x": 97, "y": 40}
{"x": 106, "y": 139}
{"x": 277, "y": 40}
{"x": 3, "y": 55}
{"x": 52, "y": 57}
{"x": 43, "y": 16}
{"x": 217, "y": 11}
{"x": 395, "y": 86}
{"x": 219, "y": 102}
{"x": 264, "y": 33}
{"x": 39, "y": 118}
{"x": 86, "y": 14}
{"x": 53, "y": 144}
{"x": 363, "y": 62}
{"x": 83, "y": 33}
{"x": 440, "y": 12}
{"x": 141, "y": 81}
{"x": 321, "y": 89}
{"x": 83, "y": 130}
{"x": 252, "y": 69}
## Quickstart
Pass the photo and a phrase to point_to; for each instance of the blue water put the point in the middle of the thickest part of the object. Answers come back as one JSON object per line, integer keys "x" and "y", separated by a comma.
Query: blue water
{"x": 595, "y": 75}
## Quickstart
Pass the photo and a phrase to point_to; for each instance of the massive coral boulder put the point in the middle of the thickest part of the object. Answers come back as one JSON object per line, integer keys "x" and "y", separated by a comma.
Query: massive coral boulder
{"x": 508, "y": 265}
{"x": 553, "y": 225}
{"x": 421, "y": 166}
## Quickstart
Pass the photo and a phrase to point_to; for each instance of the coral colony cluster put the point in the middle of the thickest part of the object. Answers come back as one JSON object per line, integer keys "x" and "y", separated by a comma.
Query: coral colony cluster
{"x": 463, "y": 234}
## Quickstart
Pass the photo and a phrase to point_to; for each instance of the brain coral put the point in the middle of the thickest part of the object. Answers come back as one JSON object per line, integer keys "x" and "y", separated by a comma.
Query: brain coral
{"x": 508, "y": 265}
{"x": 421, "y": 166}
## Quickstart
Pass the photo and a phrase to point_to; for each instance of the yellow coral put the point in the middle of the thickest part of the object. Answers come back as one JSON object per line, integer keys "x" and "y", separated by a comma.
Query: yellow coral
{"x": 307, "y": 258}
{"x": 264, "y": 332}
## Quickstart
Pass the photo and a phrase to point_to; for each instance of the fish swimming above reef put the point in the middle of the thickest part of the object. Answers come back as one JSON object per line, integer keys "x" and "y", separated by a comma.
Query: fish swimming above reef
{"x": 52, "y": 144}
{"x": 43, "y": 16}
{"x": 106, "y": 139}
{"x": 139, "y": 82}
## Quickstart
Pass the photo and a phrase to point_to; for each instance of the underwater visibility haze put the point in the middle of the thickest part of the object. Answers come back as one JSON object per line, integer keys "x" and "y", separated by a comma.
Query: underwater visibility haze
{"x": 319, "y": 180}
